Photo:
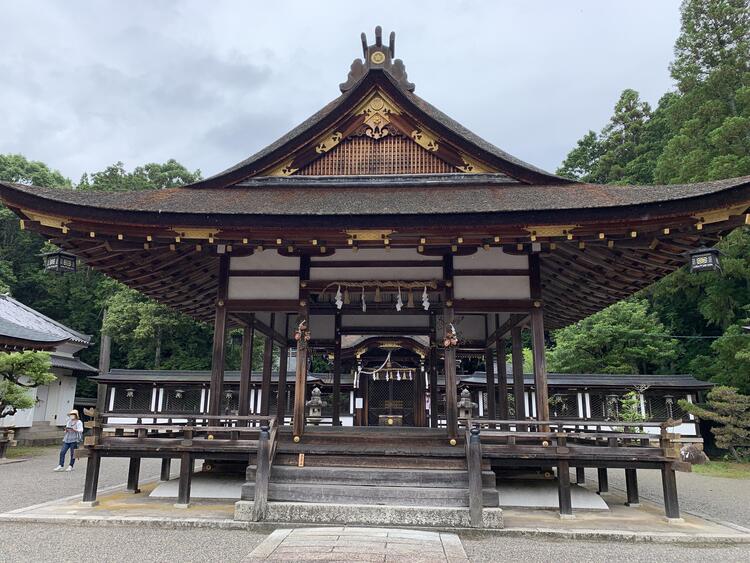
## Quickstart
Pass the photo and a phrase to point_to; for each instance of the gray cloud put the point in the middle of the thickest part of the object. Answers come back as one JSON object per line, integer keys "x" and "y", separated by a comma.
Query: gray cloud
{"x": 209, "y": 84}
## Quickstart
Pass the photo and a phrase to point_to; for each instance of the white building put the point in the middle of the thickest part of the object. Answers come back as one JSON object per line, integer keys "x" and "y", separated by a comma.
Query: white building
{"x": 23, "y": 328}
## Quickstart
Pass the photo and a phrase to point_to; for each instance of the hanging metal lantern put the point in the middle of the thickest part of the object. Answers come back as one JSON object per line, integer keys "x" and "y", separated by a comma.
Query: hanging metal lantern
{"x": 59, "y": 261}
{"x": 129, "y": 392}
{"x": 705, "y": 259}
{"x": 179, "y": 393}
{"x": 236, "y": 338}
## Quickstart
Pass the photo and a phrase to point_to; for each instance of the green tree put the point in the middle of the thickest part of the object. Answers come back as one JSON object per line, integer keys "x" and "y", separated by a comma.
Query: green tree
{"x": 17, "y": 168}
{"x": 623, "y": 338}
{"x": 582, "y": 160}
{"x": 731, "y": 409}
{"x": 19, "y": 372}
{"x": 150, "y": 176}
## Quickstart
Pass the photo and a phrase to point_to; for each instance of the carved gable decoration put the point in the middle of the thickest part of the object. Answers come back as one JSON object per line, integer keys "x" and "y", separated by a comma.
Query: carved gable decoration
{"x": 377, "y": 137}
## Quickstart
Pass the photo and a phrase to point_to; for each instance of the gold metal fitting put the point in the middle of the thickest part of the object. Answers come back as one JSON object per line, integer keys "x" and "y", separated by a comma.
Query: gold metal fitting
{"x": 296, "y": 439}
{"x": 452, "y": 442}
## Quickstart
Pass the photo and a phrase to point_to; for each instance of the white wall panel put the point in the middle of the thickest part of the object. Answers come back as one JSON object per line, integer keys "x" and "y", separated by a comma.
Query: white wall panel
{"x": 266, "y": 260}
{"x": 491, "y": 287}
{"x": 492, "y": 258}
{"x": 263, "y": 287}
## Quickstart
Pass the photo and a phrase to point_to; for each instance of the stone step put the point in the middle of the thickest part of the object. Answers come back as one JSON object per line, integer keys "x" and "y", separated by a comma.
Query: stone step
{"x": 369, "y": 477}
{"x": 370, "y": 495}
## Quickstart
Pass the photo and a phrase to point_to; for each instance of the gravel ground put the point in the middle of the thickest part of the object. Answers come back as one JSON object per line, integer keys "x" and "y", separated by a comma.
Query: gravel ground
{"x": 32, "y": 482}
{"x": 716, "y": 497}
{"x": 538, "y": 549}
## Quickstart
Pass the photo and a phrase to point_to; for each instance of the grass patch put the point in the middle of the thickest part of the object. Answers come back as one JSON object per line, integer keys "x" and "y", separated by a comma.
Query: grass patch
{"x": 28, "y": 451}
{"x": 728, "y": 469}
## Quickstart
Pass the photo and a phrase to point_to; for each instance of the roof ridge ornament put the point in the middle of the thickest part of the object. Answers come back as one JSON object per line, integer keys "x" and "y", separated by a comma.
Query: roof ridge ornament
{"x": 380, "y": 57}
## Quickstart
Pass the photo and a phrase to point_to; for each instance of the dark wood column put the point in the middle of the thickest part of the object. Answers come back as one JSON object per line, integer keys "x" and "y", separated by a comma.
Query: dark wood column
{"x": 434, "y": 395}
{"x": 265, "y": 385}
{"x": 105, "y": 350}
{"x": 283, "y": 361}
{"x": 537, "y": 339}
{"x": 420, "y": 415}
{"x": 451, "y": 388}
{"x": 489, "y": 368}
{"x": 246, "y": 368}
{"x": 502, "y": 380}
{"x": 517, "y": 358}
{"x": 220, "y": 325}
{"x": 337, "y": 370}
{"x": 300, "y": 383}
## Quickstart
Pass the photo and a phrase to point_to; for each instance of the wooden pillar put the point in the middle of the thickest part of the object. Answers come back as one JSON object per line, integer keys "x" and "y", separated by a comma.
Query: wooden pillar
{"x": 517, "y": 357}
{"x": 669, "y": 485}
{"x": 581, "y": 475}
{"x": 134, "y": 469}
{"x": 265, "y": 386}
{"x": 105, "y": 351}
{"x": 474, "y": 467}
{"x": 489, "y": 369}
{"x": 502, "y": 380}
{"x": 93, "y": 463}
{"x": 166, "y": 469}
{"x": 537, "y": 339}
{"x": 631, "y": 485}
{"x": 563, "y": 489}
{"x": 283, "y": 360}
{"x": 220, "y": 322}
{"x": 300, "y": 384}
{"x": 434, "y": 391}
{"x": 420, "y": 412}
{"x": 451, "y": 386}
{"x": 186, "y": 477}
{"x": 603, "y": 478}
{"x": 246, "y": 367}
{"x": 337, "y": 370}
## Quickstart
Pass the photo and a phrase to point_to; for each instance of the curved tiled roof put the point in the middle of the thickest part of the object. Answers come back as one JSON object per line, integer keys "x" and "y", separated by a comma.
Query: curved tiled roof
{"x": 379, "y": 195}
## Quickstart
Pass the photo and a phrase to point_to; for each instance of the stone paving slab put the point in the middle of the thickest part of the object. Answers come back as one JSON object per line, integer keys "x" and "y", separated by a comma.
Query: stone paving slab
{"x": 358, "y": 544}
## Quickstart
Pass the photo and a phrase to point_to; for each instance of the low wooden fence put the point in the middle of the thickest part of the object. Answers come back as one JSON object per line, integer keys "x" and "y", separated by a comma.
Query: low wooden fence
{"x": 183, "y": 437}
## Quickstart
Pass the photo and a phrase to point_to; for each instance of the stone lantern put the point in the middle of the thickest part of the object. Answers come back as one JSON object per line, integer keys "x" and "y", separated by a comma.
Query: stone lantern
{"x": 315, "y": 407}
{"x": 465, "y": 405}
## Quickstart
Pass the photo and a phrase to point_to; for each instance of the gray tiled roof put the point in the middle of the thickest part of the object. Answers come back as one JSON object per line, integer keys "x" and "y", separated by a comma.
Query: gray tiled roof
{"x": 18, "y": 319}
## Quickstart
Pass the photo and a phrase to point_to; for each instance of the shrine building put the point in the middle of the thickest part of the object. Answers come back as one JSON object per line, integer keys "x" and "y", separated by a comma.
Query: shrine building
{"x": 386, "y": 237}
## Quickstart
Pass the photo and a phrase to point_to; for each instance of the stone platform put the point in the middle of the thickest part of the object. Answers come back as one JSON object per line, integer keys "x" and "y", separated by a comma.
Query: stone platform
{"x": 359, "y": 544}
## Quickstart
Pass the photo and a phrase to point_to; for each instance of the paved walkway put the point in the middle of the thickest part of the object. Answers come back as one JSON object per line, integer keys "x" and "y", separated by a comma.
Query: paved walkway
{"x": 359, "y": 544}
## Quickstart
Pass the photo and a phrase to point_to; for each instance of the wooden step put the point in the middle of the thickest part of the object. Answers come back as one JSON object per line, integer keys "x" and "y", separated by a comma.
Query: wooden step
{"x": 400, "y": 462}
{"x": 370, "y": 495}
{"x": 372, "y": 477}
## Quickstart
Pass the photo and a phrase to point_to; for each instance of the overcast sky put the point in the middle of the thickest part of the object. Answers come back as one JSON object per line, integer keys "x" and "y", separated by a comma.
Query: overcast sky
{"x": 85, "y": 84}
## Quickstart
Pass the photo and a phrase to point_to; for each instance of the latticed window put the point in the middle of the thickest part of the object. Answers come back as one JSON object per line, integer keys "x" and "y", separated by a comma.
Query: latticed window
{"x": 182, "y": 400}
{"x": 662, "y": 406}
{"x": 133, "y": 398}
{"x": 564, "y": 405}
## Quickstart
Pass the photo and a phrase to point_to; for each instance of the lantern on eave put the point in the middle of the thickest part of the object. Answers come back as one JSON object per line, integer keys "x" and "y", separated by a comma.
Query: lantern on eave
{"x": 705, "y": 259}
{"x": 59, "y": 261}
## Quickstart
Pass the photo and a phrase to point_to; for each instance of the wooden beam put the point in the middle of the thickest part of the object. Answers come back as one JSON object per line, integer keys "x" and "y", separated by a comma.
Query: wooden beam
{"x": 337, "y": 370}
{"x": 433, "y": 371}
{"x": 282, "y": 390}
{"x": 300, "y": 385}
{"x": 489, "y": 369}
{"x": 502, "y": 379}
{"x": 265, "y": 386}
{"x": 246, "y": 370}
{"x": 220, "y": 321}
{"x": 451, "y": 386}
{"x": 518, "y": 388}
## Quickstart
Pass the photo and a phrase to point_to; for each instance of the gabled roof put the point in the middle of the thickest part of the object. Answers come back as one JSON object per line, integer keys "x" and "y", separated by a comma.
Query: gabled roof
{"x": 20, "y": 321}
{"x": 378, "y": 100}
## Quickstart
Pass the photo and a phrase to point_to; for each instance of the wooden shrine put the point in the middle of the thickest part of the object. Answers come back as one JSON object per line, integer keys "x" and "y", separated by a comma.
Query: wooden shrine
{"x": 382, "y": 219}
